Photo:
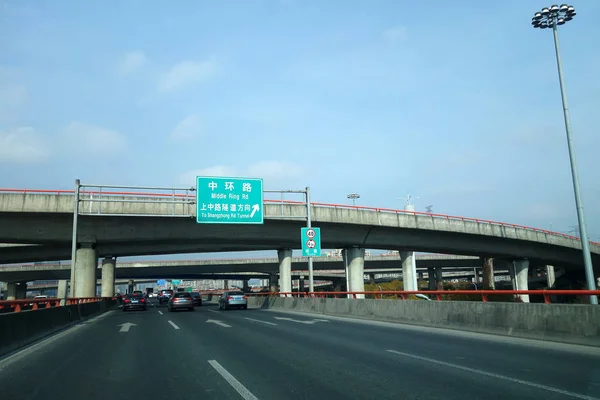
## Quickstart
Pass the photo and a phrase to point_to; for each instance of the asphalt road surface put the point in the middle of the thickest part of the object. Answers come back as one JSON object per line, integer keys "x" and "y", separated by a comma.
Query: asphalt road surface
{"x": 264, "y": 354}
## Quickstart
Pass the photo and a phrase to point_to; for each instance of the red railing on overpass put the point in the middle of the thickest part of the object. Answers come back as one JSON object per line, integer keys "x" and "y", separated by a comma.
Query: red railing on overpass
{"x": 36, "y": 304}
{"x": 437, "y": 294}
{"x": 330, "y": 205}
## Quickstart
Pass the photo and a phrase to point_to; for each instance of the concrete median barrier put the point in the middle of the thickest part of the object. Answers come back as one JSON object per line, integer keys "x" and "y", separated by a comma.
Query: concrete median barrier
{"x": 23, "y": 328}
{"x": 567, "y": 323}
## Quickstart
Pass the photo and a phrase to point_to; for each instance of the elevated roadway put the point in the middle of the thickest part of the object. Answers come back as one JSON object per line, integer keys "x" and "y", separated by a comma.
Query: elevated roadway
{"x": 127, "y": 224}
{"x": 230, "y": 269}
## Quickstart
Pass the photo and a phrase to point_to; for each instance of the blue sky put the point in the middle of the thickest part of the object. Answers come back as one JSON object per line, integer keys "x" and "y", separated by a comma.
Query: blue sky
{"x": 455, "y": 102}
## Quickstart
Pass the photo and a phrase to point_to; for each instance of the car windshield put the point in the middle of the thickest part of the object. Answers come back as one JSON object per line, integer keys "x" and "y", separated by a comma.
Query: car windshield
{"x": 236, "y": 293}
{"x": 195, "y": 294}
{"x": 136, "y": 295}
{"x": 180, "y": 295}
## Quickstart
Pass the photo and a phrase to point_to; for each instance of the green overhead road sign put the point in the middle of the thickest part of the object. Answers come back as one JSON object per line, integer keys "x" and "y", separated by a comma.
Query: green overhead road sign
{"x": 311, "y": 242}
{"x": 229, "y": 200}
{"x": 176, "y": 281}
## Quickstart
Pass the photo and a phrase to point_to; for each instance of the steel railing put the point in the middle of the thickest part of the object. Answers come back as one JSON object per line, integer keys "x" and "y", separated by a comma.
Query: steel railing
{"x": 37, "y": 304}
{"x": 436, "y": 294}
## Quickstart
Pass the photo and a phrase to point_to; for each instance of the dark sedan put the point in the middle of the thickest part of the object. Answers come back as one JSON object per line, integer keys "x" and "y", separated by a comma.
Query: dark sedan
{"x": 196, "y": 298}
{"x": 135, "y": 301}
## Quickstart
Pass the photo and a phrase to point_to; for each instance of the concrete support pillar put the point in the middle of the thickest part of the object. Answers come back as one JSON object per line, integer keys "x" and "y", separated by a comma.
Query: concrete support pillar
{"x": 11, "y": 291}
{"x": 550, "y": 276}
{"x": 372, "y": 279}
{"x": 86, "y": 263}
{"x": 489, "y": 282}
{"x": 131, "y": 284}
{"x": 409, "y": 270}
{"x": 108, "y": 277}
{"x": 62, "y": 289}
{"x": 21, "y": 290}
{"x": 285, "y": 270}
{"x": 355, "y": 257}
{"x": 301, "y": 284}
{"x": 273, "y": 283}
{"x": 439, "y": 278}
{"x": 522, "y": 277}
{"x": 431, "y": 279}
{"x": 245, "y": 286}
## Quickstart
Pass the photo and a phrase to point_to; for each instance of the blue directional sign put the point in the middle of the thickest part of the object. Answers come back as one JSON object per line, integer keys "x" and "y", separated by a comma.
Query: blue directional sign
{"x": 161, "y": 282}
{"x": 222, "y": 200}
{"x": 175, "y": 281}
{"x": 311, "y": 242}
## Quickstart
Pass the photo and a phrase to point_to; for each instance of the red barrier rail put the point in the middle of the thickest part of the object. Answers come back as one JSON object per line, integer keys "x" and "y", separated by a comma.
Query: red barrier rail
{"x": 438, "y": 293}
{"x": 329, "y": 205}
{"x": 36, "y": 304}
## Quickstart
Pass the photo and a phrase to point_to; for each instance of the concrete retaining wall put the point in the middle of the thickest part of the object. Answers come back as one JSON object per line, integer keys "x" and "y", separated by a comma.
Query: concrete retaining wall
{"x": 577, "y": 324}
{"x": 23, "y": 328}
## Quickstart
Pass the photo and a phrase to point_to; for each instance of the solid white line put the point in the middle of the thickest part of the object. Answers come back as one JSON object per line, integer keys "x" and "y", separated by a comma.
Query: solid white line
{"x": 241, "y": 389}
{"x": 173, "y": 324}
{"x": 258, "y": 320}
{"x": 497, "y": 376}
{"x": 160, "y": 312}
{"x": 213, "y": 311}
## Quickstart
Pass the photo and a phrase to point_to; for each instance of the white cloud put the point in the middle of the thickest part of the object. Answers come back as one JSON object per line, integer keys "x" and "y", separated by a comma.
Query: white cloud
{"x": 188, "y": 128}
{"x": 187, "y": 73}
{"x": 83, "y": 138}
{"x": 395, "y": 33}
{"x": 22, "y": 145}
{"x": 274, "y": 173}
{"x": 131, "y": 62}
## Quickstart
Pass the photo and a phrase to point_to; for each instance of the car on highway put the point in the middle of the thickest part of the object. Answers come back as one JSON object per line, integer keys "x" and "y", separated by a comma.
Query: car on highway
{"x": 165, "y": 295}
{"x": 233, "y": 299}
{"x": 196, "y": 299}
{"x": 135, "y": 301}
{"x": 181, "y": 300}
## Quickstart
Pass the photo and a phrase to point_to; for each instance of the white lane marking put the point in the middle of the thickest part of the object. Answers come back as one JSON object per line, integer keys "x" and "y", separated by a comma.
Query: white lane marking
{"x": 497, "y": 376}
{"x": 220, "y": 323}
{"x": 125, "y": 327}
{"x": 160, "y": 312}
{"x": 258, "y": 320}
{"x": 213, "y": 311}
{"x": 241, "y": 389}
{"x": 17, "y": 356}
{"x": 301, "y": 322}
{"x": 173, "y": 324}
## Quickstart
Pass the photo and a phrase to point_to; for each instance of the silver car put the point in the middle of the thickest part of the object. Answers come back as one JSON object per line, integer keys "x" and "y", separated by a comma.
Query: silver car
{"x": 181, "y": 300}
{"x": 233, "y": 299}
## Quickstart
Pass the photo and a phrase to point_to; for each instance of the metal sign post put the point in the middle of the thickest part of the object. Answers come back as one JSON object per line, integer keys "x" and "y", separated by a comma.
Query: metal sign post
{"x": 311, "y": 283}
{"x": 74, "y": 240}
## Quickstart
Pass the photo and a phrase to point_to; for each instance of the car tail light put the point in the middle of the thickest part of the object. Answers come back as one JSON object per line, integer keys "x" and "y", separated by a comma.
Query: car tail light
{"x": 229, "y": 297}
{"x": 143, "y": 300}
{"x": 126, "y": 300}
{"x": 245, "y": 297}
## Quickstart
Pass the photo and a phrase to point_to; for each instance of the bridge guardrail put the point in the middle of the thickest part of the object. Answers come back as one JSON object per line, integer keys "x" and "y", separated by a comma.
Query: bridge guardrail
{"x": 438, "y": 294}
{"x": 36, "y": 304}
{"x": 188, "y": 198}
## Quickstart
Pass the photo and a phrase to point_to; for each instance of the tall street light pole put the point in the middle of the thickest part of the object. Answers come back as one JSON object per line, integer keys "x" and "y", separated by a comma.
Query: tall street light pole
{"x": 552, "y": 17}
{"x": 353, "y": 197}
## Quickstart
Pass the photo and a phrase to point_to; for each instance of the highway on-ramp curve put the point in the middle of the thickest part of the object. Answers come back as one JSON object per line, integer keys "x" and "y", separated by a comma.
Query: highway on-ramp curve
{"x": 265, "y": 354}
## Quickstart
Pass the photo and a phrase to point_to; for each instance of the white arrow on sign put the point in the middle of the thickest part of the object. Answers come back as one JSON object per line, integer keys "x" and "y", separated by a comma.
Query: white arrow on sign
{"x": 125, "y": 327}
{"x": 220, "y": 323}
{"x": 302, "y": 322}
{"x": 255, "y": 209}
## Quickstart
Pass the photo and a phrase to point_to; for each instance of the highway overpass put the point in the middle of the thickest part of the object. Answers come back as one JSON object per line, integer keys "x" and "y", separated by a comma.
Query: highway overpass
{"x": 143, "y": 226}
{"x": 230, "y": 269}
